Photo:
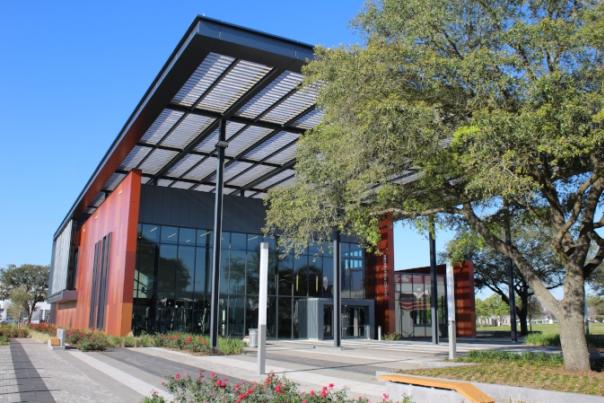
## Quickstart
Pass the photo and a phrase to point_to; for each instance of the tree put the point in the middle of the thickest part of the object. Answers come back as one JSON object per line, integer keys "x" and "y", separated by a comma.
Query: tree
{"x": 491, "y": 267}
{"x": 465, "y": 109}
{"x": 492, "y": 305}
{"x": 29, "y": 282}
{"x": 595, "y": 305}
{"x": 19, "y": 303}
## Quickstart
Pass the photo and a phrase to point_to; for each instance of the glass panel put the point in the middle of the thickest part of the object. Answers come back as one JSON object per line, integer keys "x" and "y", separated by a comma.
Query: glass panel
{"x": 285, "y": 318}
{"x": 253, "y": 242}
{"x": 301, "y": 276}
{"x": 186, "y": 236}
{"x": 167, "y": 267}
{"x": 169, "y": 234}
{"x": 203, "y": 237}
{"x": 271, "y": 317}
{"x": 201, "y": 272}
{"x": 224, "y": 272}
{"x": 315, "y": 276}
{"x": 150, "y": 232}
{"x": 327, "y": 276}
{"x": 145, "y": 269}
{"x": 251, "y": 314}
{"x": 236, "y": 316}
{"x": 238, "y": 241}
{"x": 237, "y": 273}
{"x": 285, "y": 276}
{"x": 185, "y": 272}
{"x": 252, "y": 271}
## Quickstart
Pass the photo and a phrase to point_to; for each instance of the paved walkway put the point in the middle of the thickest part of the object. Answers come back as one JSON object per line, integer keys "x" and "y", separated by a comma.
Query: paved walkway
{"x": 30, "y": 372}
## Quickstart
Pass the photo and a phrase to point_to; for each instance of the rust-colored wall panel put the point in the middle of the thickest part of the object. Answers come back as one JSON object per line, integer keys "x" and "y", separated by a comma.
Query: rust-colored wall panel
{"x": 118, "y": 215}
{"x": 465, "y": 309}
{"x": 380, "y": 277}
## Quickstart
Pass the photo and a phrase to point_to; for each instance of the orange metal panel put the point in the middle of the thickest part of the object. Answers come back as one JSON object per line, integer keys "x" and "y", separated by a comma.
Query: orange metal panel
{"x": 118, "y": 215}
{"x": 380, "y": 277}
{"x": 465, "y": 310}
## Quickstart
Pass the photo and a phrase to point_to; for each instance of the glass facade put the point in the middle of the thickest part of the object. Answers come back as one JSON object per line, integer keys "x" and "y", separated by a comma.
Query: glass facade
{"x": 173, "y": 276}
{"x": 413, "y": 292}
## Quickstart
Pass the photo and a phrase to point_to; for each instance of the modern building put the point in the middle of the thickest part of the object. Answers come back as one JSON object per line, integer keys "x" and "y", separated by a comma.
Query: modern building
{"x": 179, "y": 197}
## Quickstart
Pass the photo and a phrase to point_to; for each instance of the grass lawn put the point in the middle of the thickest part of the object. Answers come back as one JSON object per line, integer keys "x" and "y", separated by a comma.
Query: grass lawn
{"x": 517, "y": 370}
{"x": 594, "y": 328}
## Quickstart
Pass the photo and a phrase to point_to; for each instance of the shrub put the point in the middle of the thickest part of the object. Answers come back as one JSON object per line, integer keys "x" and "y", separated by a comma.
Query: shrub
{"x": 499, "y": 356}
{"x": 47, "y": 328}
{"x": 146, "y": 340}
{"x": 273, "y": 389}
{"x": 393, "y": 336}
{"x": 10, "y": 331}
{"x": 94, "y": 341}
{"x": 115, "y": 341}
{"x": 129, "y": 341}
{"x": 87, "y": 340}
{"x": 3, "y": 340}
{"x": 230, "y": 346}
{"x": 540, "y": 339}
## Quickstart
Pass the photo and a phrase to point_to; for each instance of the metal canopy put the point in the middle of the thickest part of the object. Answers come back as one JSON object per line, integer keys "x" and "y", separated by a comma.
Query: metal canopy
{"x": 218, "y": 71}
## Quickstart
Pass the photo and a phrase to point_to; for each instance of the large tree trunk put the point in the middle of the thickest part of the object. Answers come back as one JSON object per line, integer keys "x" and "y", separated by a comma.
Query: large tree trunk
{"x": 572, "y": 325}
{"x": 522, "y": 318}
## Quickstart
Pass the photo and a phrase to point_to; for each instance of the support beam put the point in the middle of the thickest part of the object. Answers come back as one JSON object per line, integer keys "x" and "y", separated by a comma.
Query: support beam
{"x": 511, "y": 294}
{"x": 337, "y": 288}
{"x": 221, "y": 144}
{"x": 433, "y": 290}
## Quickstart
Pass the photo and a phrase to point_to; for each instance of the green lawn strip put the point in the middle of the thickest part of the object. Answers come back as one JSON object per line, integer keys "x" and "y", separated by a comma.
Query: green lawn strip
{"x": 532, "y": 370}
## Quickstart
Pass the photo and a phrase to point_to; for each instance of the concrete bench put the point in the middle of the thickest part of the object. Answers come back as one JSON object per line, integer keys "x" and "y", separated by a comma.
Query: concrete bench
{"x": 466, "y": 390}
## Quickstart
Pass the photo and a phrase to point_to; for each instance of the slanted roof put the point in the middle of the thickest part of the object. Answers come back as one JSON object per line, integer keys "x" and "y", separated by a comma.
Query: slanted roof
{"x": 250, "y": 79}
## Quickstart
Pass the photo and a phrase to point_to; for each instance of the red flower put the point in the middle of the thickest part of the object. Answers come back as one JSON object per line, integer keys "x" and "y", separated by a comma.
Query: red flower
{"x": 331, "y": 386}
{"x": 385, "y": 396}
{"x": 278, "y": 388}
{"x": 177, "y": 376}
{"x": 312, "y": 392}
{"x": 324, "y": 392}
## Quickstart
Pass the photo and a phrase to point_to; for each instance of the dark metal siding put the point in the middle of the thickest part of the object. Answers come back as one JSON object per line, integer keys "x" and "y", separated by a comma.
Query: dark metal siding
{"x": 189, "y": 208}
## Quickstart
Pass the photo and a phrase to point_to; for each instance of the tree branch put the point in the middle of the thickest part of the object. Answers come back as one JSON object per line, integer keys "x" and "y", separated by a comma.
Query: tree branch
{"x": 551, "y": 303}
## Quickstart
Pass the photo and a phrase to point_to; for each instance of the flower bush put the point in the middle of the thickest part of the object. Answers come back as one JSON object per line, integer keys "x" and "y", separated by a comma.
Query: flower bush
{"x": 10, "y": 331}
{"x": 47, "y": 328}
{"x": 87, "y": 340}
{"x": 274, "y": 389}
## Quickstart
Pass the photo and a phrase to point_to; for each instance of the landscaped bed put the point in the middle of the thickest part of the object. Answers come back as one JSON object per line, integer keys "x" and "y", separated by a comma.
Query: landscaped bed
{"x": 274, "y": 389}
{"x": 532, "y": 370}
{"x": 87, "y": 340}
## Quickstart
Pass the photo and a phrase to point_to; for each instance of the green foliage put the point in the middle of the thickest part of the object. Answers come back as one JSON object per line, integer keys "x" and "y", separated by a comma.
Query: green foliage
{"x": 19, "y": 303}
{"x": 493, "y": 305}
{"x": 393, "y": 336}
{"x": 29, "y": 283}
{"x": 87, "y": 340}
{"x": 230, "y": 346}
{"x": 10, "y": 331}
{"x": 274, "y": 389}
{"x": 4, "y": 340}
{"x": 486, "y": 356}
{"x": 540, "y": 339}
{"x": 461, "y": 108}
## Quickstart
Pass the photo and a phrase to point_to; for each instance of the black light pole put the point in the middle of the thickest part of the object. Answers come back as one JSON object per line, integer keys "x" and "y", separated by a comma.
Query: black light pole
{"x": 221, "y": 144}
{"x": 337, "y": 285}
{"x": 433, "y": 291}
{"x": 511, "y": 296}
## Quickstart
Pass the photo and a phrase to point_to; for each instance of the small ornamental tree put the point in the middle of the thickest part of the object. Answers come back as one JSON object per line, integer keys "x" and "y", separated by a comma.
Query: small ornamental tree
{"x": 463, "y": 108}
{"x": 28, "y": 281}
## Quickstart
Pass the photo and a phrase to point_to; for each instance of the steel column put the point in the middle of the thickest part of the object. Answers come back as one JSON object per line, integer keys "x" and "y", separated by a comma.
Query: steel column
{"x": 434, "y": 289}
{"x": 337, "y": 286}
{"x": 511, "y": 294}
{"x": 221, "y": 144}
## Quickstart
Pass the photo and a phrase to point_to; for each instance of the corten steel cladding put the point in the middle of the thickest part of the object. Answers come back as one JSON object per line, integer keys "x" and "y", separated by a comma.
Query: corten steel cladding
{"x": 117, "y": 215}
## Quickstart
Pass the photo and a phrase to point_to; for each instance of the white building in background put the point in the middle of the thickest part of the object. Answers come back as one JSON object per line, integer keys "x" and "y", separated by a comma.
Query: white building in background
{"x": 40, "y": 314}
{"x": 3, "y": 307}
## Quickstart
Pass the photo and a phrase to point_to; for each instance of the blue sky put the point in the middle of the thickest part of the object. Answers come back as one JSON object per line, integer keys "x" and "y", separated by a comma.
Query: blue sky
{"x": 71, "y": 74}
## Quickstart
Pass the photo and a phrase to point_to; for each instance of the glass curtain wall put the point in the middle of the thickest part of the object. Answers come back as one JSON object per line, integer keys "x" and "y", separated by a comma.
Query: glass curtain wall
{"x": 173, "y": 276}
{"x": 415, "y": 292}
